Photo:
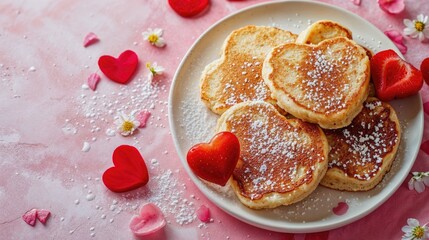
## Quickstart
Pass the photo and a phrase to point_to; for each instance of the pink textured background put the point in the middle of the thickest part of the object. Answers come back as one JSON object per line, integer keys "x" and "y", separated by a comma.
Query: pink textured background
{"x": 43, "y": 167}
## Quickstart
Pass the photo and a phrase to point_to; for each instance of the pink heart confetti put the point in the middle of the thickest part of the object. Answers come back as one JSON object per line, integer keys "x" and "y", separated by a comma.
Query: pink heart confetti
{"x": 341, "y": 208}
{"x": 30, "y": 217}
{"x": 426, "y": 107}
{"x": 93, "y": 80}
{"x": 142, "y": 117}
{"x": 356, "y": 2}
{"x": 425, "y": 147}
{"x": 397, "y": 39}
{"x": 149, "y": 220}
{"x": 43, "y": 215}
{"x": 203, "y": 213}
{"x": 90, "y": 39}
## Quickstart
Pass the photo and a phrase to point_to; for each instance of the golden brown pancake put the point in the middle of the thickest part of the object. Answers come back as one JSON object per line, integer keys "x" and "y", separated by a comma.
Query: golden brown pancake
{"x": 363, "y": 152}
{"x": 282, "y": 160}
{"x": 236, "y": 76}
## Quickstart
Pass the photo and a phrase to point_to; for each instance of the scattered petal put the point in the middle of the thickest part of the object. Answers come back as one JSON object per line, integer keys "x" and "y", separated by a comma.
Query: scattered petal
{"x": 142, "y": 117}
{"x": 43, "y": 215}
{"x": 93, "y": 80}
{"x": 397, "y": 39}
{"x": 411, "y": 184}
{"x": 90, "y": 39}
{"x": 356, "y": 2}
{"x": 419, "y": 186}
{"x": 203, "y": 213}
{"x": 392, "y": 6}
{"x": 341, "y": 208}
{"x": 30, "y": 217}
{"x": 149, "y": 220}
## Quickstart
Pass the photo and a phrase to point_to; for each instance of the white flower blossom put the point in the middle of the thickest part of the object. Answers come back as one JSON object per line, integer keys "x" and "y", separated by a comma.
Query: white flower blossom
{"x": 154, "y": 37}
{"x": 419, "y": 181}
{"x": 413, "y": 230}
{"x": 126, "y": 124}
{"x": 417, "y": 27}
{"x": 154, "y": 70}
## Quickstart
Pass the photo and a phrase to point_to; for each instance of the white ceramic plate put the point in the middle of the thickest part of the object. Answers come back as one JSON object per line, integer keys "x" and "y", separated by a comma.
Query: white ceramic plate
{"x": 191, "y": 122}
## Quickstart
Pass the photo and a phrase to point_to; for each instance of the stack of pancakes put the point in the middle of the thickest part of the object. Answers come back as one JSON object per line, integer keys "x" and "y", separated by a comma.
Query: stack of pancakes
{"x": 302, "y": 110}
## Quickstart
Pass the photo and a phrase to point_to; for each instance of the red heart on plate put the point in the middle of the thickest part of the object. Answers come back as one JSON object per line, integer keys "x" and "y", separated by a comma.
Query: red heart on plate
{"x": 129, "y": 171}
{"x": 215, "y": 161}
{"x": 119, "y": 69}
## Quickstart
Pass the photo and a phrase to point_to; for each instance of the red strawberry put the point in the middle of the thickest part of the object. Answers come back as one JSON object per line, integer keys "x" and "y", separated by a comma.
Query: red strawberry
{"x": 394, "y": 77}
{"x": 188, "y": 8}
{"x": 424, "y": 67}
{"x": 215, "y": 161}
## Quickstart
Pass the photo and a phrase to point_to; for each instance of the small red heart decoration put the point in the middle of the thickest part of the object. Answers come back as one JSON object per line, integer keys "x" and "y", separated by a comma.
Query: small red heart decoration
{"x": 149, "y": 220}
{"x": 129, "y": 171}
{"x": 119, "y": 69}
{"x": 215, "y": 161}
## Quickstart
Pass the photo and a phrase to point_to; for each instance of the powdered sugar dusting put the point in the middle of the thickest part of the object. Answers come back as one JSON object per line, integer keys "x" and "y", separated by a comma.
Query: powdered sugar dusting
{"x": 246, "y": 86}
{"x": 278, "y": 156}
{"x": 325, "y": 83}
{"x": 369, "y": 138}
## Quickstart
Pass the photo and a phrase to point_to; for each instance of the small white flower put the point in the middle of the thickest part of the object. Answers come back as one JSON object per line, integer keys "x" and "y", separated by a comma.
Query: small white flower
{"x": 413, "y": 230}
{"x": 154, "y": 37}
{"x": 154, "y": 70}
{"x": 126, "y": 124}
{"x": 417, "y": 27}
{"x": 419, "y": 181}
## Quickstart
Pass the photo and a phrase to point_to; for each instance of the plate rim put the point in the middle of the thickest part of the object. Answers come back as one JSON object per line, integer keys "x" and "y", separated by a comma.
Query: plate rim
{"x": 201, "y": 185}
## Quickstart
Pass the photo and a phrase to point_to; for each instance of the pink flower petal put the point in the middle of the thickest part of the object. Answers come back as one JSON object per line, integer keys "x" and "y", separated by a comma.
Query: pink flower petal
{"x": 142, "y": 117}
{"x": 425, "y": 147}
{"x": 426, "y": 107}
{"x": 30, "y": 217}
{"x": 356, "y": 2}
{"x": 397, "y": 39}
{"x": 203, "y": 213}
{"x": 419, "y": 186}
{"x": 341, "y": 208}
{"x": 392, "y": 6}
{"x": 90, "y": 39}
{"x": 149, "y": 221}
{"x": 93, "y": 80}
{"x": 43, "y": 215}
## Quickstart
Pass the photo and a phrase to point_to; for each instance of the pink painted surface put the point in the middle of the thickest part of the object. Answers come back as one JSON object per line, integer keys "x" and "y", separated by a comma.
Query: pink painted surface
{"x": 46, "y": 116}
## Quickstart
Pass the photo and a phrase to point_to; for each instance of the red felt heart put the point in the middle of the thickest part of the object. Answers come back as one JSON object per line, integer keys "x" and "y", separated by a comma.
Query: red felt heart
{"x": 189, "y": 8}
{"x": 215, "y": 161}
{"x": 119, "y": 69}
{"x": 129, "y": 171}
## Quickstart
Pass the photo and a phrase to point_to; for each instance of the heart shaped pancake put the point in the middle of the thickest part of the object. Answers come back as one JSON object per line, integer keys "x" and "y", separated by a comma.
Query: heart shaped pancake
{"x": 325, "y": 83}
{"x": 282, "y": 160}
